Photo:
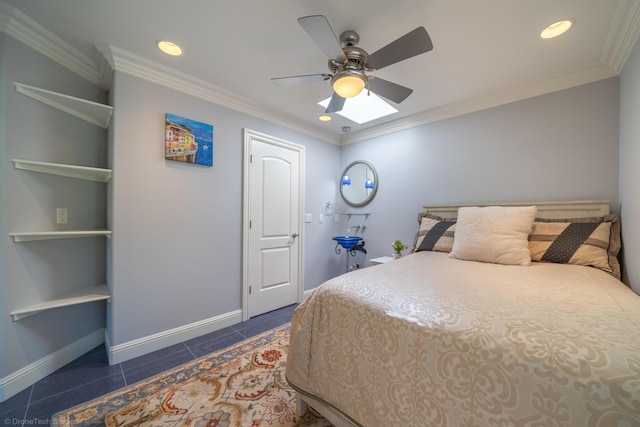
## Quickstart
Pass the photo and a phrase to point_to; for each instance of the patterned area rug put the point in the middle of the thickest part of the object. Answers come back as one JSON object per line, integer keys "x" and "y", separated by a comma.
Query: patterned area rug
{"x": 241, "y": 386}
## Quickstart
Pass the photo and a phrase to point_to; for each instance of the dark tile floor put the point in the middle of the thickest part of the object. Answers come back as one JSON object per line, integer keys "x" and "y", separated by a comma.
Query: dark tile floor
{"x": 90, "y": 375}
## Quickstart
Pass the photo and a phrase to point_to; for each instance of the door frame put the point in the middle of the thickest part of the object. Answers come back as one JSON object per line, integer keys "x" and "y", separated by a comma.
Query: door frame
{"x": 249, "y": 137}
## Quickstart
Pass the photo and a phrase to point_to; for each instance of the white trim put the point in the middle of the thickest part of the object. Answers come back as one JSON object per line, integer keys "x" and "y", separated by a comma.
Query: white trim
{"x": 625, "y": 31}
{"x": 22, "y": 28}
{"x": 579, "y": 76}
{"x": 126, "y": 62}
{"x": 33, "y": 372}
{"x": 249, "y": 135}
{"x": 141, "y": 346}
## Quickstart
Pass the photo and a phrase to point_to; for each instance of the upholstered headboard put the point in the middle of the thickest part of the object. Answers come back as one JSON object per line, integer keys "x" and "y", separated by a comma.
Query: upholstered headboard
{"x": 548, "y": 210}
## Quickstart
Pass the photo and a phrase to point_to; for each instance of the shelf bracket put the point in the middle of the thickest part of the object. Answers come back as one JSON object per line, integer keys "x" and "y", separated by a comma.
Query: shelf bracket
{"x": 366, "y": 215}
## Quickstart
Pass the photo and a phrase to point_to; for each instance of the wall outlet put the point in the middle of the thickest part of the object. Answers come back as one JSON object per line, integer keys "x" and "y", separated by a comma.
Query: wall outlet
{"x": 62, "y": 216}
{"x": 308, "y": 217}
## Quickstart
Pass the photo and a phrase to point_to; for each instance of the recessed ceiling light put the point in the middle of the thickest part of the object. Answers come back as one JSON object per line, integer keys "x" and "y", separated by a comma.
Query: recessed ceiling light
{"x": 556, "y": 29}
{"x": 170, "y": 48}
{"x": 324, "y": 118}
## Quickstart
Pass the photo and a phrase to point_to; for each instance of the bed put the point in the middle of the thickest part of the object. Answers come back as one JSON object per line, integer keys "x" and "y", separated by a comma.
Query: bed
{"x": 439, "y": 338}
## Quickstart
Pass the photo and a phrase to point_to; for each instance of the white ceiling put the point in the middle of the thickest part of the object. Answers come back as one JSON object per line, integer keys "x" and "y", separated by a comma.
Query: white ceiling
{"x": 486, "y": 52}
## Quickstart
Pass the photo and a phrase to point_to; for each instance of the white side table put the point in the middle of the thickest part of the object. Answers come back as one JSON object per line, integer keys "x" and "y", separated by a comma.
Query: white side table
{"x": 381, "y": 260}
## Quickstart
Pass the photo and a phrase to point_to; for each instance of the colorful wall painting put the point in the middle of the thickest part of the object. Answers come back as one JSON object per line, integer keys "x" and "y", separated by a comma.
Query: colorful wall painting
{"x": 188, "y": 141}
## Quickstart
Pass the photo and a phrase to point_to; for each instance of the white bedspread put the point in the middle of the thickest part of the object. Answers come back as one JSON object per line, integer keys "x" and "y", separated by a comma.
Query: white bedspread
{"x": 427, "y": 340}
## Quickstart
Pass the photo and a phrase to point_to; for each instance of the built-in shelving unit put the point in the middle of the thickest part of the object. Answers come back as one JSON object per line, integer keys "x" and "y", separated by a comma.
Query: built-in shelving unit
{"x": 71, "y": 171}
{"x": 99, "y": 115}
{"x": 95, "y": 293}
{"x": 92, "y": 112}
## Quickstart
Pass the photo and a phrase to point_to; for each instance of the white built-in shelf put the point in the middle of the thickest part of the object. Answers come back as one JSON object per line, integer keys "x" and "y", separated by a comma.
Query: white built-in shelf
{"x": 95, "y": 293}
{"x": 51, "y": 235}
{"x": 92, "y": 112}
{"x": 71, "y": 171}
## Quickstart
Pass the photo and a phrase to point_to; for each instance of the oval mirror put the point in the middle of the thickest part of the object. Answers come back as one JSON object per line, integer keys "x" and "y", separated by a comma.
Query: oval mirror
{"x": 358, "y": 183}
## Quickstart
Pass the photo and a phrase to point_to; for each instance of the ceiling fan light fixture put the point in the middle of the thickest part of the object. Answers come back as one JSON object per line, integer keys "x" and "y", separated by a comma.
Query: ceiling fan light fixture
{"x": 349, "y": 83}
{"x": 556, "y": 29}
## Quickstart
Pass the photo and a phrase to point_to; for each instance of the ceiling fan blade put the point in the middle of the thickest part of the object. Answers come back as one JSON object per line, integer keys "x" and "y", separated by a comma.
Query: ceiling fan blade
{"x": 411, "y": 44}
{"x": 320, "y": 31}
{"x": 336, "y": 104}
{"x": 392, "y": 91}
{"x": 294, "y": 80}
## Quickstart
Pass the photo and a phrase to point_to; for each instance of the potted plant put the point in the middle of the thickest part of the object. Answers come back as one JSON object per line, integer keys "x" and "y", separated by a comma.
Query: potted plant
{"x": 398, "y": 247}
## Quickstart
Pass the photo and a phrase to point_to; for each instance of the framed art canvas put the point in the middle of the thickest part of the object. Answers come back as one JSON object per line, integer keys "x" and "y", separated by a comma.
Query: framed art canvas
{"x": 188, "y": 141}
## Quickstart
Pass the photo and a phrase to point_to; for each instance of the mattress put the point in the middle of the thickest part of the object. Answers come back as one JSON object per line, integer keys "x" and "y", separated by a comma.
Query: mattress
{"x": 430, "y": 340}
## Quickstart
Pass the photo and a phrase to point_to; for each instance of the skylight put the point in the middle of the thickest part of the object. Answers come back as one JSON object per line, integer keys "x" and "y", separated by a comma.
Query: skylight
{"x": 363, "y": 108}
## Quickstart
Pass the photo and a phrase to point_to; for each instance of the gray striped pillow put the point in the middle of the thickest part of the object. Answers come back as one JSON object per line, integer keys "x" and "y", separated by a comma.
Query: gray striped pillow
{"x": 590, "y": 242}
{"x": 435, "y": 234}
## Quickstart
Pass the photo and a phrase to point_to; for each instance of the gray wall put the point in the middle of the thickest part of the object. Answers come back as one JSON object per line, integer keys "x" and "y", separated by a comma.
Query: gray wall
{"x": 35, "y": 271}
{"x": 558, "y": 146}
{"x": 176, "y": 249}
{"x": 629, "y": 169}
{"x": 176, "y": 254}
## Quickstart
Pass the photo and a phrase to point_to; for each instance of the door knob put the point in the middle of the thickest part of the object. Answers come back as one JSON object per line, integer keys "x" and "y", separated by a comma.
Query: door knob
{"x": 294, "y": 235}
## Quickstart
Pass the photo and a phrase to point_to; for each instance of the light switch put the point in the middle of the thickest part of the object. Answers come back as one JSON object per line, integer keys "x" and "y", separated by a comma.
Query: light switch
{"x": 308, "y": 217}
{"x": 61, "y": 215}
{"x": 336, "y": 218}
{"x": 320, "y": 218}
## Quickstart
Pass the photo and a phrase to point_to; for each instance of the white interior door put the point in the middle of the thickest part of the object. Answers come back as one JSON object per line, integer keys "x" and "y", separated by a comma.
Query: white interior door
{"x": 272, "y": 223}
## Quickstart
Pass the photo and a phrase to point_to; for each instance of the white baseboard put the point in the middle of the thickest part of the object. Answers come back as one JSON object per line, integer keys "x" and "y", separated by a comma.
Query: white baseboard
{"x": 307, "y": 293}
{"x": 128, "y": 350}
{"x": 34, "y": 372}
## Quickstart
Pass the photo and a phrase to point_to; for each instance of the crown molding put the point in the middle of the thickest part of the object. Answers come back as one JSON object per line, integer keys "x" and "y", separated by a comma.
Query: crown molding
{"x": 22, "y": 28}
{"x": 624, "y": 33}
{"x": 117, "y": 59}
{"x": 625, "y": 30}
{"x": 554, "y": 83}
{"x": 106, "y": 59}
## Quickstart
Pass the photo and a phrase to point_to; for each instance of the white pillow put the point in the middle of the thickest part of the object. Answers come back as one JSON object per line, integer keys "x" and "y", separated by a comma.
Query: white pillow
{"x": 496, "y": 234}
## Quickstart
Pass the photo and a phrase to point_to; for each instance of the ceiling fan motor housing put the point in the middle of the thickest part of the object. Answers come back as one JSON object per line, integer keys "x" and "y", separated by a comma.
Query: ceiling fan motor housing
{"x": 356, "y": 58}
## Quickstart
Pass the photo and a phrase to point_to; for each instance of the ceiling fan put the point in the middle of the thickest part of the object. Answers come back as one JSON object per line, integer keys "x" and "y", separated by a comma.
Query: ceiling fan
{"x": 349, "y": 64}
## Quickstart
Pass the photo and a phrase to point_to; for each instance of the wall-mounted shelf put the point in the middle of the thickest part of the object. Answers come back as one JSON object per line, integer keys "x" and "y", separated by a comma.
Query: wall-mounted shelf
{"x": 92, "y": 112}
{"x": 51, "y": 235}
{"x": 366, "y": 215}
{"x": 96, "y": 293}
{"x": 71, "y": 171}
